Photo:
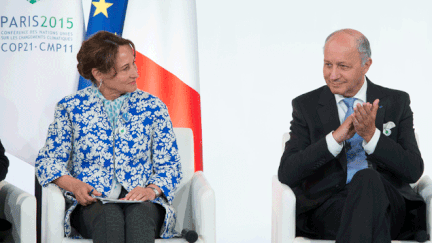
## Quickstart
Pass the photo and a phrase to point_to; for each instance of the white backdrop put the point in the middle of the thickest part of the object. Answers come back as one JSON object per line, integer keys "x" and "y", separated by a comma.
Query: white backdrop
{"x": 39, "y": 43}
{"x": 256, "y": 56}
{"x": 34, "y": 78}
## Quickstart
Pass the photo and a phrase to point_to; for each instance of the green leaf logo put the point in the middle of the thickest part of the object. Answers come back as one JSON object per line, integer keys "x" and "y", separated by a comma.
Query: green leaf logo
{"x": 33, "y": 1}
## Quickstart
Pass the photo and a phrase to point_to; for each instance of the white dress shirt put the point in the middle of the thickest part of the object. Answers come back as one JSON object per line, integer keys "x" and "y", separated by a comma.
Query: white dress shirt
{"x": 334, "y": 147}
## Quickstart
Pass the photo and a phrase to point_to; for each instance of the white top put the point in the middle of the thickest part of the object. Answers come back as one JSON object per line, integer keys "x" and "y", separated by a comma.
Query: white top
{"x": 334, "y": 147}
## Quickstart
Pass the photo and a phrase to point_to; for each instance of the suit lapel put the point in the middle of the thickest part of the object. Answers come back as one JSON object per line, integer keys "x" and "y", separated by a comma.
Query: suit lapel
{"x": 374, "y": 92}
{"x": 327, "y": 111}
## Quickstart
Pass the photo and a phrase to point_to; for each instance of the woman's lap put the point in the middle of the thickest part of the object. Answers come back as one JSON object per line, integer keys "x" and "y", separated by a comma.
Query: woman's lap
{"x": 134, "y": 222}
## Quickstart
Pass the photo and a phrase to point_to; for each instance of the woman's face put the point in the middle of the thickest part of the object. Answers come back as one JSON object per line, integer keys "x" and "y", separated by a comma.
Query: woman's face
{"x": 125, "y": 80}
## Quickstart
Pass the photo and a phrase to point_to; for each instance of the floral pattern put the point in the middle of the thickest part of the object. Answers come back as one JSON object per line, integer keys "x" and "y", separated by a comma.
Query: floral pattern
{"x": 141, "y": 150}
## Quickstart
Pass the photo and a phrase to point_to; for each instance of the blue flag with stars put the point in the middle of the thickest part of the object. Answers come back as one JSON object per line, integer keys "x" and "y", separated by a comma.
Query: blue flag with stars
{"x": 108, "y": 15}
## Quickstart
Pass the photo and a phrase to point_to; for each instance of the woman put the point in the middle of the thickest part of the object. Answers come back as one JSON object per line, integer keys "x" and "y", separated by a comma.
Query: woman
{"x": 114, "y": 141}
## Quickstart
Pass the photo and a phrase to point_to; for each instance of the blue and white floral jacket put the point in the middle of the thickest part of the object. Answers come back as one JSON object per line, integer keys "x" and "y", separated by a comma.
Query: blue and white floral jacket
{"x": 141, "y": 150}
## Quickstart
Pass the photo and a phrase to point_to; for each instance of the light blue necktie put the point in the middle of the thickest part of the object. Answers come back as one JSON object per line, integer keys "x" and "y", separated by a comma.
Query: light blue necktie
{"x": 356, "y": 157}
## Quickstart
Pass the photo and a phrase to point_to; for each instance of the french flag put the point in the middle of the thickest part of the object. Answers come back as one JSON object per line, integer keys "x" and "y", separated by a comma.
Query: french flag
{"x": 165, "y": 37}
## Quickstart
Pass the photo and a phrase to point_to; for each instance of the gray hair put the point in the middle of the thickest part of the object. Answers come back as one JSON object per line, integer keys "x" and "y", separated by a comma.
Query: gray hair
{"x": 363, "y": 45}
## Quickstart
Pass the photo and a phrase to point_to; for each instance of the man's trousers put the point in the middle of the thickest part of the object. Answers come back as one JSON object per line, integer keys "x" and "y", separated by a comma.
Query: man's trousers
{"x": 368, "y": 209}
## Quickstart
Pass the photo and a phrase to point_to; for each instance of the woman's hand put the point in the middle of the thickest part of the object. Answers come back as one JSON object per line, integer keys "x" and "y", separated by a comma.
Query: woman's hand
{"x": 140, "y": 194}
{"x": 80, "y": 189}
{"x": 83, "y": 191}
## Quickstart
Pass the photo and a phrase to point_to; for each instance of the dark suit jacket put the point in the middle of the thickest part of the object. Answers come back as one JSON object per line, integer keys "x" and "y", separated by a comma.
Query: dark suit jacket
{"x": 315, "y": 174}
{"x": 4, "y": 163}
{"x": 5, "y": 226}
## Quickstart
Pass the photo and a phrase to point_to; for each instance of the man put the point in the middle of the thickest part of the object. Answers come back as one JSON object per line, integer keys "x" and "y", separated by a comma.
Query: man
{"x": 5, "y": 226}
{"x": 352, "y": 153}
{"x": 4, "y": 163}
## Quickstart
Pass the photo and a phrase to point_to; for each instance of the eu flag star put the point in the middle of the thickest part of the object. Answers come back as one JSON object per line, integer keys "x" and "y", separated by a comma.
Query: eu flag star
{"x": 112, "y": 23}
{"x": 101, "y": 7}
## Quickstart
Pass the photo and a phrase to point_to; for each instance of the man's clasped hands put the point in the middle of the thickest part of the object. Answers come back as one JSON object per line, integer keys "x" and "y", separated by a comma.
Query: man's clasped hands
{"x": 362, "y": 122}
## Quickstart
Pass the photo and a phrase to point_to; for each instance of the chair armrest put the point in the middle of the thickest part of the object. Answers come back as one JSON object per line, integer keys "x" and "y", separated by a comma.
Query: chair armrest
{"x": 424, "y": 188}
{"x": 203, "y": 208}
{"x": 19, "y": 208}
{"x": 421, "y": 185}
{"x": 53, "y": 212}
{"x": 283, "y": 212}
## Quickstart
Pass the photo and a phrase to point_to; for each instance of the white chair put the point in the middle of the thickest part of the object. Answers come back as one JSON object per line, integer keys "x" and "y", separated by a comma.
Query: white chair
{"x": 194, "y": 202}
{"x": 19, "y": 208}
{"x": 284, "y": 206}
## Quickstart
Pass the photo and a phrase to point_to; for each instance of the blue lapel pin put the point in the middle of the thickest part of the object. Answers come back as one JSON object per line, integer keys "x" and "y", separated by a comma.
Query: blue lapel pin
{"x": 126, "y": 117}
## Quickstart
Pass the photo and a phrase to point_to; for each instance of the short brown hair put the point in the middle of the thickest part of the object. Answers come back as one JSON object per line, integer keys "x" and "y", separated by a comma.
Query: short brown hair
{"x": 100, "y": 52}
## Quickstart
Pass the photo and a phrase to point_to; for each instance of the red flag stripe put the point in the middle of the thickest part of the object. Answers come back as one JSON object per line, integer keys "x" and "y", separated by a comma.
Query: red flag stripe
{"x": 183, "y": 102}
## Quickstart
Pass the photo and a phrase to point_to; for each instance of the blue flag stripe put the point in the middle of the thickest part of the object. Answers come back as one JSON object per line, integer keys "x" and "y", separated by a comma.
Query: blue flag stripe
{"x": 113, "y": 23}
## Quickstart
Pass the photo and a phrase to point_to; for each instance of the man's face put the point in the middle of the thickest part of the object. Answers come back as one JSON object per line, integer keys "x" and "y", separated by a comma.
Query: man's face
{"x": 343, "y": 71}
